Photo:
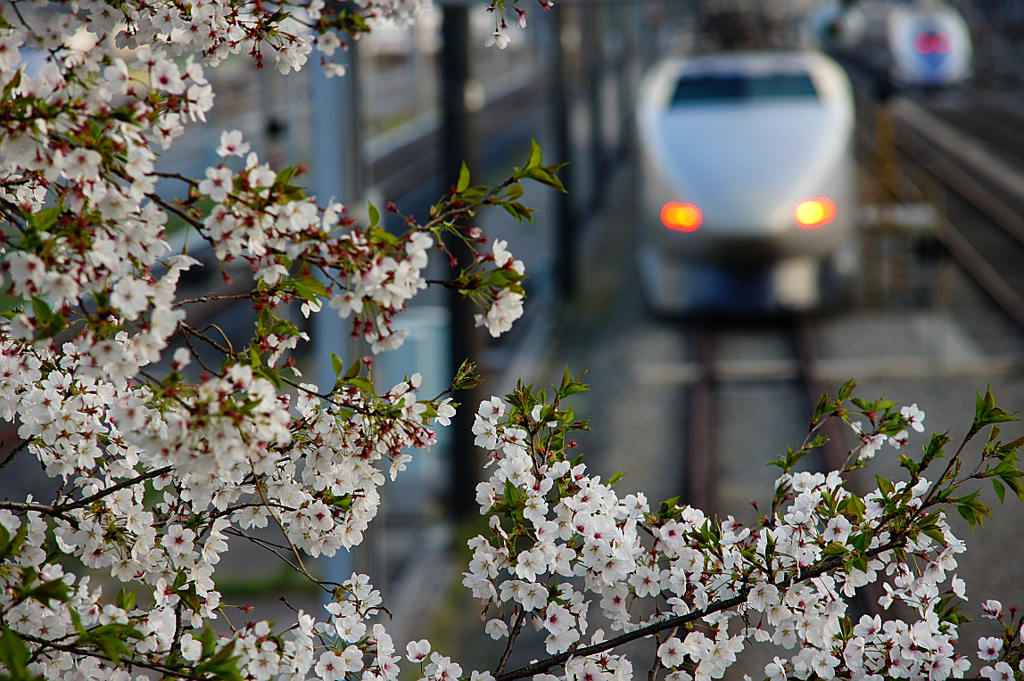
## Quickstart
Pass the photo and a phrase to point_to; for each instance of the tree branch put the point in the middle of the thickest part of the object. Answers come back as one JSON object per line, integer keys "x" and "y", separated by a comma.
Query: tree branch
{"x": 14, "y": 452}
{"x": 213, "y": 297}
{"x": 132, "y": 662}
{"x": 557, "y": 660}
{"x": 156, "y": 473}
{"x": 516, "y": 628}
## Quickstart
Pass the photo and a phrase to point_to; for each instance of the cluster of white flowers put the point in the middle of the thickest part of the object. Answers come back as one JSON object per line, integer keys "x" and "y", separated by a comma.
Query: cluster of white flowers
{"x": 507, "y": 305}
{"x": 566, "y": 523}
{"x": 158, "y": 469}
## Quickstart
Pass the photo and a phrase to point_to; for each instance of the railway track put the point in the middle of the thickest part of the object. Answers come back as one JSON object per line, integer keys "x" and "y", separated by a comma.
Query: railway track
{"x": 716, "y": 471}
{"x": 983, "y": 224}
{"x": 720, "y": 359}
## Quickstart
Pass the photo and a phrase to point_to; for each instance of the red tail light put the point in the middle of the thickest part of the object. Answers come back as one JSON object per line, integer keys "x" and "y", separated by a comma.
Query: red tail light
{"x": 684, "y": 217}
{"x": 815, "y": 212}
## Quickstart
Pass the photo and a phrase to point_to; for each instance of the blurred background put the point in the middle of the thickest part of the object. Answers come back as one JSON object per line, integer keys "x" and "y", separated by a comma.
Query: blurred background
{"x": 707, "y": 335}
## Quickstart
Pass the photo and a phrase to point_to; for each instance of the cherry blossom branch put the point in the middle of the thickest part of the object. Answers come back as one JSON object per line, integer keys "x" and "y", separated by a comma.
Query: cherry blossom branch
{"x": 284, "y": 533}
{"x": 190, "y": 331}
{"x": 213, "y": 297}
{"x": 188, "y": 342}
{"x": 830, "y": 563}
{"x": 268, "y": 545}
{"x": 656, "y": 667}
{"x": 168, "y": 206}
{"x": 133, "y": 662}
{"x": 14, "y": 452}
{"x": 155, "y": 473}
{"x": 513, "y": 635}
{"x": 37, "y": 508}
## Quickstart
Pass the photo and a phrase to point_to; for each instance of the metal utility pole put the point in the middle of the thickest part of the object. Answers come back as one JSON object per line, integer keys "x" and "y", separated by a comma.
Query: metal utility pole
{"x": 567, "y": 238}
{"x": 336, "y": 169}
{"x": 457, "y": 135}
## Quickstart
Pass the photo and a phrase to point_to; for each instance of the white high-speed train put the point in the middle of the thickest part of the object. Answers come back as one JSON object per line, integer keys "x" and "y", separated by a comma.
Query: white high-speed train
{"x": 748, "y": 182}
{"x": 922, "y": 43}
{"x": 930, "y": 44}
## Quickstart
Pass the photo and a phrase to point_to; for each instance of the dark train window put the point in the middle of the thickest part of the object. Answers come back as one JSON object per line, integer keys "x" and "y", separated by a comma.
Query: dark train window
{"x": 728, "y": 87}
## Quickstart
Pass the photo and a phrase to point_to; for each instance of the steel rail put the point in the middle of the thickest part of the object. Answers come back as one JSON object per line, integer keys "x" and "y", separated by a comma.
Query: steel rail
{"x": 931, "y": 160}
{"x": 698, "y": 479}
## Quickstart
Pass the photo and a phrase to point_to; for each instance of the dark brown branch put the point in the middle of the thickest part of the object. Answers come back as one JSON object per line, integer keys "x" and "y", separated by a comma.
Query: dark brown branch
{"x": 188, "y": 342}
{"x": 156, "y": 473}
{"x": 445, "y": 283}
{"x": 516, "y": 628}
{"x": 656, "y": 667}
{"x": 14, "y": 452}
{"x": 213, "y": 297}
{"x": 133, "y": 662}
{"x": 38, "y": 508}
{"x": 168, "y": 206}
{"x": 189, "y": 331}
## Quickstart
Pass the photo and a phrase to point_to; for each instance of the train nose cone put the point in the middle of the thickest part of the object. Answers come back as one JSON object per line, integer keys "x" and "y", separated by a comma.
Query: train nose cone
{"x": 748, "y": 173}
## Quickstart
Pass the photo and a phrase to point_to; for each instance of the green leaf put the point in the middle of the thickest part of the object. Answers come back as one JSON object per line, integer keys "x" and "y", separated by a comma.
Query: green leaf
{"x": 45, "y": 218}
{"x": 933, "y": 449}
{"x": 272, "y": 375}
{"x": 576, "y": 388}
{"x": 309, "y": 287}
{"x": 858, "y": 562}
{"x": 615, "y": 478}
{"x": 14, "y": 655}
{"x": 846, "y": 390}
{"x": 4, "y": 23}
{"x": 512, "y": 495}
{"x": 822, "y": 408}
{"x": 463, "y": 178}
{"x": 536, "y": 158}
{"x": 53, "y": 590}
{"x": 42, "y": 311}
{"x": 1000, "y": 490}
{"x": 353, "y": 371}
{"x": 545, "y": 177}
{"x": 884, "y": 486}
{"x": 834, "y": 549}
{"x": 909, "y": 464}
{"x": 374, "y": 215}
{"x": 935, "y": 533}
{"x": 566, "y": 380}
{"x": 361, "y": 383}
{"x": 125, "y": 599}
{"x": 986, "y": 412}
{"x": 336, "y": 364}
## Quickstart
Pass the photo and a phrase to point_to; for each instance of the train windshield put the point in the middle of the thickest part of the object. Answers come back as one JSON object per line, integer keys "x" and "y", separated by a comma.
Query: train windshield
{"x": 702, "y": 88}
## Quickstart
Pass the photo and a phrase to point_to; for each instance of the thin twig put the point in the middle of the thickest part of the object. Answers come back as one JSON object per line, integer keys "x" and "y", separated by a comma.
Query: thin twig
{"x": 167, "y": 205}
{"x": 188, "y": 342}
{"x": 156, "y": 473}
{"x": 190, "y": 331}
{"x": 284, "y": 532}
{"x": 516, "y": 628}
{"x": 656, "y": 667}
{"x": 14, "y": 452}
{"x": 213, "y": 297}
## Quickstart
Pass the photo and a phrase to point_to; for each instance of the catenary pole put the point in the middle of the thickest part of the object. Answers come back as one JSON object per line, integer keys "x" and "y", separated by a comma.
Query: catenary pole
{"x": 457, "y": 136}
